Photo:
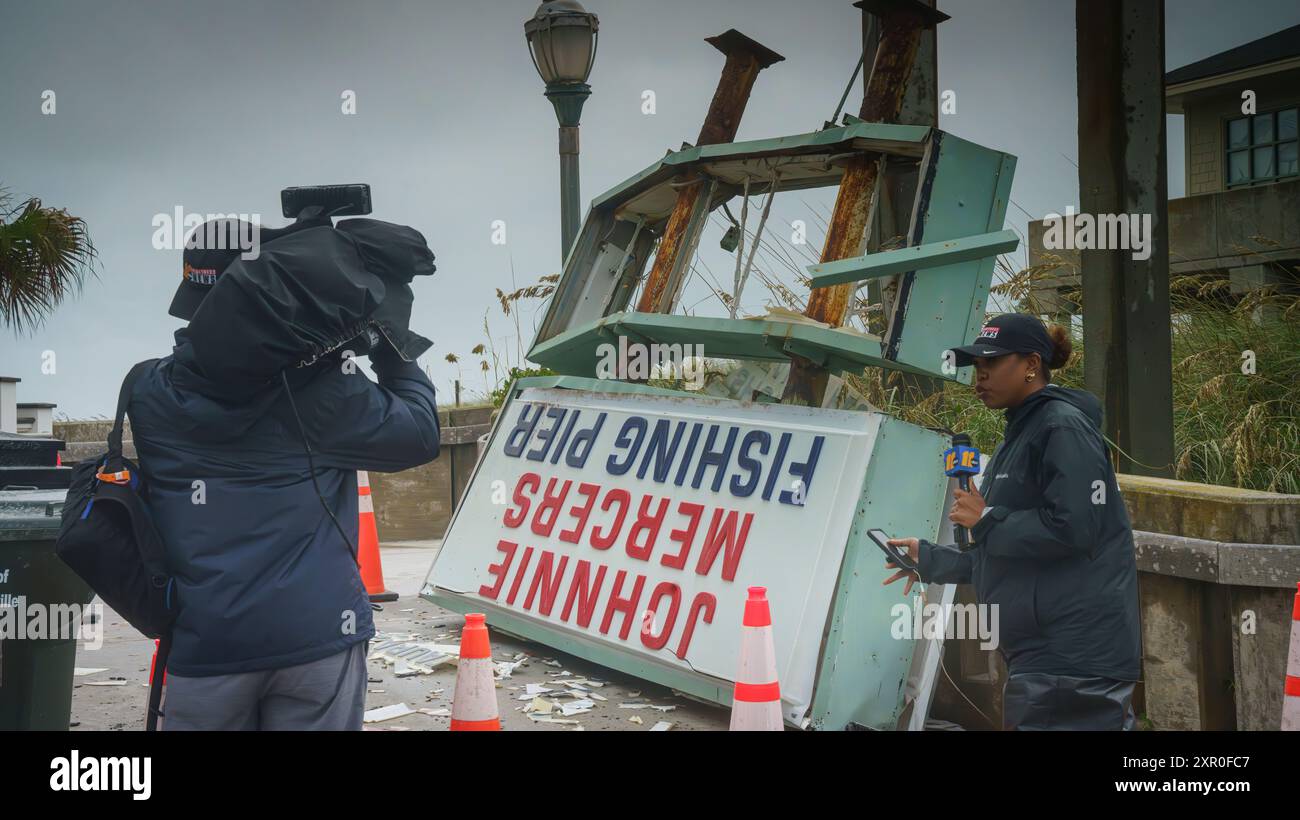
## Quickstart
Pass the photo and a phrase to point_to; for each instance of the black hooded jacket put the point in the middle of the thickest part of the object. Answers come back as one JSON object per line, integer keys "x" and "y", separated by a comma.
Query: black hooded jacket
{"x": 1054, "y": 550}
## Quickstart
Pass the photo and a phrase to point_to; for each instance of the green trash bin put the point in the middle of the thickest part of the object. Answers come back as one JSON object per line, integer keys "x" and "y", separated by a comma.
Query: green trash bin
{"x": 36, "y": 673}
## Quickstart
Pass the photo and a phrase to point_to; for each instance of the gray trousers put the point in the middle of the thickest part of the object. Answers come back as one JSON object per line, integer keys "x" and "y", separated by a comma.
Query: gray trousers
{"x": 1034, "y": 701}
{"x": 328, "y": 694}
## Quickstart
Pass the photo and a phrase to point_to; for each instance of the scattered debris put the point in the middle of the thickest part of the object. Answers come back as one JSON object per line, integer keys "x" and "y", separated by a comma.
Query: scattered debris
{"x": 410, "y": 657}
{"x": 635, "y": 719}
{"x": 661, "y": 726}
{"x": 435, "y": 712}
{"x": 541, "y": 719}
{"x": 115, "y": 682}
{"x": 576, "y": 707}
{"x": 396, "y": 710}
{"x": 82, "y": 671}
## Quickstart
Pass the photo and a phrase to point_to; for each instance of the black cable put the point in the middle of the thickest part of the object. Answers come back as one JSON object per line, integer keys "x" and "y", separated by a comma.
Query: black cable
{"x": 311, "y": 466}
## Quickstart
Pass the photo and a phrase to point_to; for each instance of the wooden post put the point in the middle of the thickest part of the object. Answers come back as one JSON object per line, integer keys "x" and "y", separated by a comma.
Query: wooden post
{"x": 1126, "y": 323}
{"x": 745, "y": 58}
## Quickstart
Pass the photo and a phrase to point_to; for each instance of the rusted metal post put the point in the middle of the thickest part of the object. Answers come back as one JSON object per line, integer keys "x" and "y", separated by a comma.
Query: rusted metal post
{"x": 901, "y": 24}
{"x": 745, "y": 58}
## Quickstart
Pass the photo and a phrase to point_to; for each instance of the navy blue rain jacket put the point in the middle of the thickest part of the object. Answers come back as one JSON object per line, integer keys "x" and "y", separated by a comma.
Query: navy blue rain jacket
{"x": 263, "y": 577}
{"x": 1055, "y": 550}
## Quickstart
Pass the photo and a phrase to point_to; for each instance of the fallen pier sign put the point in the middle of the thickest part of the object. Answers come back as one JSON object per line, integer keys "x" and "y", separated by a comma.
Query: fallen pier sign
{"x": 627, "y": 529}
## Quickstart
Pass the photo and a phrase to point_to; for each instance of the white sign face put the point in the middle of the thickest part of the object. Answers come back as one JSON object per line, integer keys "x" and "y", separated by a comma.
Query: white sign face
{"x": 638, "y": 523}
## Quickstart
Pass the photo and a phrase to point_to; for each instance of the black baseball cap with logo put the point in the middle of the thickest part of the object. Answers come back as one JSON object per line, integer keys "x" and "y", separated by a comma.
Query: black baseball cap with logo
{"x": 1008, "y": 333}
{"x": 211, "y": 248}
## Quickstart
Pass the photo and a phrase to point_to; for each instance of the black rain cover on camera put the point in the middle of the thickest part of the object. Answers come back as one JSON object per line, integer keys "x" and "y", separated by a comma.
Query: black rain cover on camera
{"x": 306, "y": 295}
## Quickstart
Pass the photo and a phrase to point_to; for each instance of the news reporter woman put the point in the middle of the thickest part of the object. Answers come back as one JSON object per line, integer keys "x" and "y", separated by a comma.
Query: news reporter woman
{"x": 1052, "y": 546}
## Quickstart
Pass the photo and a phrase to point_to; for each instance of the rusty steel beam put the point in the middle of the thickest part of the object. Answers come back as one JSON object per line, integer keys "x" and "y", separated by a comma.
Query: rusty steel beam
{"x": 745, "y": 58}
{"x": 901, "y": 24}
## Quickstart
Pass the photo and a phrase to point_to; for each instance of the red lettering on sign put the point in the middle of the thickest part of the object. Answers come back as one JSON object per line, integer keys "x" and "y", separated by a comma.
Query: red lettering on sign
{"x": 574, "y": 535}
{"x": 589, "y": 591}
{"x": 499, "y": 570}
{"x": 511, "y": 518}
{"x": 674, "y": 592}
{"x": 683, "y": 537}
{"x": 625, "y": 605}
{"x": 548, "y": 584}
{"x": 602, "y": 542}
{"x": 550, "y": 503}
{"x": 704, "y": 602}
{"x": 648, "y": 524}
{"x": 519, "y": 576}
{"x": 720, "y": 537}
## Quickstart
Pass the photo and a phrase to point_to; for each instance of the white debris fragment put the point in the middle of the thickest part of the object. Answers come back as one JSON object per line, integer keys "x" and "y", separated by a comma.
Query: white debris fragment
{"x": 396, "y": 710}
{"x": 409, "y": 657}
{"x": 541, "y": 706}
{"x": 105, "y": 683}
{"x": 434, "y": 712}
{"x": 636, "y": 719}
{"x": 82, "y": 671}
{"x": 576, "y": 707}
{"x": 536, "y": 689}
{"x": 663, "y": 708}
{"x": 661, "y": 726}
{"x": 633, "y": 705}
{"x": 541, "y": 719}
{"x": 504, "y": 669}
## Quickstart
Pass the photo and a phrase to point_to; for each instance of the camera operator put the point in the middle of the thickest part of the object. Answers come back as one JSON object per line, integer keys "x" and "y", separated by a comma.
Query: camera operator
{"x": 274, "y": 619}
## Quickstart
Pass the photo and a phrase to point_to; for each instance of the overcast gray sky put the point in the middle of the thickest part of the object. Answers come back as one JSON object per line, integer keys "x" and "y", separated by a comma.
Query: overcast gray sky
{"x": 215, "y": 106}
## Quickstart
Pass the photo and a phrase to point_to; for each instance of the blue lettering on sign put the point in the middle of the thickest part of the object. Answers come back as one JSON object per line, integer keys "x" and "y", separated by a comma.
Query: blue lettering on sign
{"x": 545, "y": 434}
{"x": 755, "y": 467}
{"x": 633, "y": 445}
{"x": 715, "y": 459}
{"x": 582, "y": 444}
{"x": 557, "y": 432}
{"x": 523, "y": 430}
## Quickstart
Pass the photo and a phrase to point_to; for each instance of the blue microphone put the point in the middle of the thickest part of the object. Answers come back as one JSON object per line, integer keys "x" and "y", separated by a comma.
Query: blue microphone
{"x": 962, "y": 460}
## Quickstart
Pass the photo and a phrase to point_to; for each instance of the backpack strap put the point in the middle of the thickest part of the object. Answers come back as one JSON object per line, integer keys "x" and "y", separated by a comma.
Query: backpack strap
{"x": 123, "y": 399}
{"x": 156, "y": 685}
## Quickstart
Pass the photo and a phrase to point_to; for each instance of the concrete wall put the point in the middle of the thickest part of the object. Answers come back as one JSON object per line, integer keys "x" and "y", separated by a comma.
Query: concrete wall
{"x": 417, "y": 504}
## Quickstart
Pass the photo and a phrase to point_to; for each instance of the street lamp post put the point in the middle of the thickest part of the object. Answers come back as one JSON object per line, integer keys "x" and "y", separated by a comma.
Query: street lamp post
{"x": 562, "y": 41}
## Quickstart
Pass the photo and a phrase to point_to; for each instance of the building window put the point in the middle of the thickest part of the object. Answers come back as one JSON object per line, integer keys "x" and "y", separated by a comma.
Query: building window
{"x": 1262, "y": 148}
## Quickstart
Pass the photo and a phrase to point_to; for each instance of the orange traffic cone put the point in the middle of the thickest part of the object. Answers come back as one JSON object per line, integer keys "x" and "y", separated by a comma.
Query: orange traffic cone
{"x": 372, "y": 571}
{"x": 1291, "y": 688}
{"x": 756, "y": 704}
{"x": 474, "y": 705}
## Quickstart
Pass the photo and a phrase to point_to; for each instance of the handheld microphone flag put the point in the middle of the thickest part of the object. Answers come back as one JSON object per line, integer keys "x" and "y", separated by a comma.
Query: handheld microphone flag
{"x": 962, "y": 461}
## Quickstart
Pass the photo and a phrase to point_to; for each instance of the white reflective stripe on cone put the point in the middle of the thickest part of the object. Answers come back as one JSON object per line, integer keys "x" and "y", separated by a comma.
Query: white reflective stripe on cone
{"x": 1291, "y": 703}
{"x": 757, "y": 655}
{"x": 363, "y": 478}
{"x": 366, "y": 504}
{"x": 757, "y": 668}
{"x": 476, "y": 693}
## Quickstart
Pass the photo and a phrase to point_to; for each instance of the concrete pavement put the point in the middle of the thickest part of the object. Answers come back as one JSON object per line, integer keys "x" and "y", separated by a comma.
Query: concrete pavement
{"x": 126, "y": 654}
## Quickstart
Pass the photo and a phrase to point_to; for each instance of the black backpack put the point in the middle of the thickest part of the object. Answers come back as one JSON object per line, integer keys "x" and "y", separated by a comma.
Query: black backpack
{"x": 108, "y": 538}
